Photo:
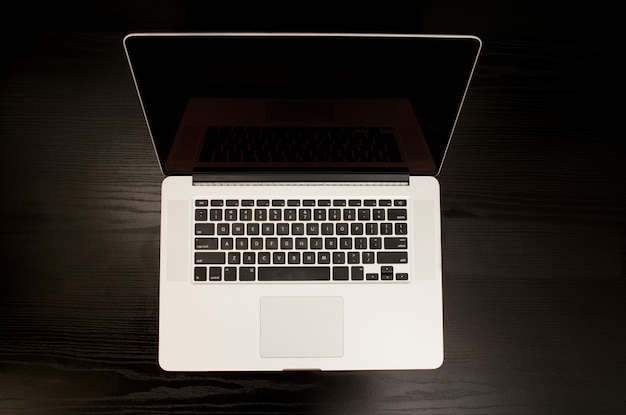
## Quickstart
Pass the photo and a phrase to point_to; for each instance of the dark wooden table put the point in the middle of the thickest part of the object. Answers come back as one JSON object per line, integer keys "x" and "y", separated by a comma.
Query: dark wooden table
{"x": 533, "y": 199}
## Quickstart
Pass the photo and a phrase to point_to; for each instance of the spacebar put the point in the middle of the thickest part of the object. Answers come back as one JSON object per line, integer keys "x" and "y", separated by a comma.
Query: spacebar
{"x": 293, "y": 273}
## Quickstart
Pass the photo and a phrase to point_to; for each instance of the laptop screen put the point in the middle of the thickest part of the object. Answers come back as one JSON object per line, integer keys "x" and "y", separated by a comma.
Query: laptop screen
{"x": 248, "y": 102}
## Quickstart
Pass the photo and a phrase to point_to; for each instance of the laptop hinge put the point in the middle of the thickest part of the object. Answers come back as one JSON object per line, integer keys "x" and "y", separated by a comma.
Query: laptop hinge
{"x": 203, "y": 178}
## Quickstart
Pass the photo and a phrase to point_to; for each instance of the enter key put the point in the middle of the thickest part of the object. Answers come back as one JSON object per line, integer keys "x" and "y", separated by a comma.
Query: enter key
{"x": 395, "y": 243}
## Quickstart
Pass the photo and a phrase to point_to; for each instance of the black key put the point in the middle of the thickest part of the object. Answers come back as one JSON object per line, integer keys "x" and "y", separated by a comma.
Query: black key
{"x": 215, "y": 214}
{"x": 223, "y": 229}
{"x": 354, "y": 203}
{"x": 201, "y": 214}
{"x": 293, "y": 257}
{"x": 308, "y": 258}
{"x": 260, "y": 214}
{"x": 232, "y": 203}
{"x": 376, "y": 243}
{"x": 395, "y": 243}
{"x": 324, "y": 202}
{"x": 252, "y": 228}
{"x": 330, "y": 243}
{"x": 369, "y": 202}
{"x": 302, "y": 243}
{"x": 401, "y": 228}
{"x": 386, "y": 272}
{"x": 386, "y": 228}
{"x": 342, "y": 229}
{"x": 396, "y": 214}
{"x": 230, "y": 214}
{"x": 276, "y": 215}
{"x": 227, "y": 243}
{"x": 357, "y": 273}
{"x": 340, "y": 273}
{"x": 210, "y": 258}
{"x": 327, "y": 229}
{"x": 290, "y": 214}
{"x": 360, "y": 243}
{"x": 323, "y": 257}
{"x": 264, "y": 257}
{"x": 316, "y": 243}
{"x": 385, "y": 202}
{"x": 215, "y": 273}
{"x": 356, "y": 228}
{"x": 368, "y": 257}
{"x": 371, "y": 229}
{"x": 399, "y": 202}
{"x": 199, "y": 274}
{"x": 230, "y": 274}
{"x": 294, "y": 273}
{"x": 292, "y": 202}
{"x": 308, "y": 202}
{"x": 286, "y": 243}
{"x": 364, "y": 214}
{"x": 392, "y": 257}
{"x": 247, "y": 202}
{"x": 339, "y": 257}
{"x": 217, "y": 203}
{"x": 319, "y": 214}
{"x": 312, "y": 228}
{"x": 304, "y": 214}
{"x": 371, "y": 276}
{"x": 206, "y": 243}
{"x": 245, "y": 214}
{"x": 278, "y": 258}
{"x": 234, "y": 257}
{"x": 262, "y": 202}
{"x": 246, "y": 274}
{"x": 202, "y": 202}
{"x": 205, "y": 228}
{"x": 349, "y": 214}
{"x": 345, "y": 243}
{"x": 354, "y": 257}
{"x": 271, "y": 243}
{"x": 402, "y": 276}
{"x": 379, "y": 214}
{"x": 241, "y": 244}
{"x": 339, "y": 202}
{"x": 248, "y": 258}
{"x": 278, "y": 203}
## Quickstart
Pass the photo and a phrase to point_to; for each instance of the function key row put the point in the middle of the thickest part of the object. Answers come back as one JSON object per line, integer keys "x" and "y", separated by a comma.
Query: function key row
{"x": 296, "y": 202}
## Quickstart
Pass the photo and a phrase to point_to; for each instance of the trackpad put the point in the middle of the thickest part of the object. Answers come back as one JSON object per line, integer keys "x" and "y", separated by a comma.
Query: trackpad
{"x": 301, "y": 326}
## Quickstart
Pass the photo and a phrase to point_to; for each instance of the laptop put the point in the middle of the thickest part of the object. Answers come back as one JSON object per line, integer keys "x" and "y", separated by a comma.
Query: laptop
{"x": 300, "y": 212}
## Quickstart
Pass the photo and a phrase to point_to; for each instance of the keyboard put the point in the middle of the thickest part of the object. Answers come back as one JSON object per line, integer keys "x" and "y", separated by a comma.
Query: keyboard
{"x": 356, "y": 240}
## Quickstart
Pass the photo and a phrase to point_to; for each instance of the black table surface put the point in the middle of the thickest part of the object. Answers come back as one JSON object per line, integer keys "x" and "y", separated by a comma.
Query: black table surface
{"x": 533, "y": 204}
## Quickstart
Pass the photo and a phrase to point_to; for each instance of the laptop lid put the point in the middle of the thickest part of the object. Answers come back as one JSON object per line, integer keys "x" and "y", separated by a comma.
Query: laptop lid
{"x": 401, "y": 93}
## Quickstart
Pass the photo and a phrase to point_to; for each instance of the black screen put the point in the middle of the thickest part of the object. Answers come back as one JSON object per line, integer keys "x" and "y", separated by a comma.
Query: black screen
{"x": 432, "y": 72}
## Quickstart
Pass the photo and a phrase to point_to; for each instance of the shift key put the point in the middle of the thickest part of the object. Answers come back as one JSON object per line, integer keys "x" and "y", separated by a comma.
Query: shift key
{"x": 210, "y": 258}
{"x": 392, "y": 257}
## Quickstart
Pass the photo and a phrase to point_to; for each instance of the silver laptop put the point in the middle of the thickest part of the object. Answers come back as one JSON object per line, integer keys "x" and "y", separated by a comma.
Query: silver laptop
{"x": 300, "y": 211}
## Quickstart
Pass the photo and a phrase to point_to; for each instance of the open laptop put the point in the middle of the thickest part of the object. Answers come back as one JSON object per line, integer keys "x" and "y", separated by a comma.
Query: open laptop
{"x": 300, "y": 211}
